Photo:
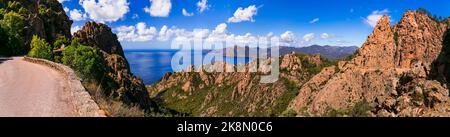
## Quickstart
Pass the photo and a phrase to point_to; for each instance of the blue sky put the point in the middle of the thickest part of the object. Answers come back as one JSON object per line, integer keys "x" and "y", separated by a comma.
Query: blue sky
{"x": 151, "y": 24}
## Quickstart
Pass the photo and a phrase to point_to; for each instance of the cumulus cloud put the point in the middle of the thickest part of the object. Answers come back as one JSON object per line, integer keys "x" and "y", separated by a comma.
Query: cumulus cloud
{"x": 269, "y": 35}
{"x": 221, "y": 28}
{"x": 202, "y": 5}
{"x": 105, "y": 10}
{"x": 375, "y": 16}
{"x": 242, "y": 14}
{"x": 77, "y": 15}
{"x": 314, "y": 20}
{"x": 167, "y": 33}
{"x": 201, "y": 33}
{"x": 287, "y": 37}
{"x": 325, "y": 36}
{"x": 159, "y": 8}
{"x": 75, "y": 29}
{"x": 185, "y": 13}
{"x": 308, "y": 37}
{"x": 139, "y": 32}
{"x": 61, "y": 1}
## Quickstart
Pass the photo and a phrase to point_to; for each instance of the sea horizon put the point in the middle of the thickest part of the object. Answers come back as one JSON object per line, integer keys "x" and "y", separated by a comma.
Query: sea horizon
{"x": 152, "y": 64}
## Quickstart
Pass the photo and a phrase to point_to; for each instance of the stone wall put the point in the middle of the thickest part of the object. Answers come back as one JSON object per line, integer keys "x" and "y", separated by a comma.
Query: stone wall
{"x": 84, "y": 105}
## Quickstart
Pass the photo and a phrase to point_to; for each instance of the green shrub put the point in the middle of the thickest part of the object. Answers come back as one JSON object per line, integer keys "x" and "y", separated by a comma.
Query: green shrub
{"x": 288, "y": 113}
{"x": 40, "y": 49}
{"x": 3, "y": 41}
{"x": 12, "y": 26}
{"x": 313, "y": 68}
{"x": 429, "y": 14}
{"x": 43, "y": 10}
{"x": 360, "y": 109}
{"x": 61, "y": 40}
{"x": 84, "y": 60}
{"x": 350, "y": 57}
{"x": 2, "y": 13}
{"x": 14, "y": 5}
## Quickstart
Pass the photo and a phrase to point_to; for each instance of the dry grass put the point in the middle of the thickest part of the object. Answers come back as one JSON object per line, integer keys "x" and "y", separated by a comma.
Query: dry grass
{"x": 111, "y": 107}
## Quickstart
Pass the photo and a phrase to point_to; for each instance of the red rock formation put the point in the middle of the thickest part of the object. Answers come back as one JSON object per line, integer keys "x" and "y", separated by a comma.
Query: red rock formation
{"x": 129, "y": 88}
{"x": 390, "y": 74}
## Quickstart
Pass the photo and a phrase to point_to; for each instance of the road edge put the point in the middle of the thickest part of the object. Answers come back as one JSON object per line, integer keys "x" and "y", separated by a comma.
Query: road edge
{"x": 84, "y": 104}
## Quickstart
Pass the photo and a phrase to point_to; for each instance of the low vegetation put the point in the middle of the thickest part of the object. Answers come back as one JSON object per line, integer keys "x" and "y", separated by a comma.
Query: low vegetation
{"x": 11, "y": 32}
{"x": 84, "y": 60}
{"x": 433, "y": 17}
{"x": 313, "y": 68}
{"x": 40, "y": 49}
{"x": 359, "y": 109}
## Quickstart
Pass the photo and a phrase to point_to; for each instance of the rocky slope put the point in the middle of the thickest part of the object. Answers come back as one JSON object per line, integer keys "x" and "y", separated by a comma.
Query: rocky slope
{"x": 206, "y": 93}
{"x": 390, "y": 75}
{"x": 401, "y": 70}
{"x": 44, "y": 18}
{"x": 120, "y": 81}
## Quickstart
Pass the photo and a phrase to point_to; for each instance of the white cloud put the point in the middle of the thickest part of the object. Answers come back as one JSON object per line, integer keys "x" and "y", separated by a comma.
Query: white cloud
{"x": 159, "y": 8}
{"x": 244, "y": 14}
{"x": 325, "y": 36}
{"x": 221, "y": 28}
{"x": 74, "y": 29}
{"x": 202, "y": 5}
{"x": 269, "y": 35}
{"x": 61, "y": 1}
{"x": 167, "y": 33}
{"x": 287, "y": 37}
{"x": 314, "y": 20}
{"x": 77, "y": 15}
{"x": 308, "y": 37}
{"x": 201, "y": 33}
{"x": 376, "y": 15}
{"x": 66, "y": 9}
{"x": 105, "y": 10}
{"x": 164, "y": 34}
{"x": 185, "y": 13}
{"x": 139, "y": 32}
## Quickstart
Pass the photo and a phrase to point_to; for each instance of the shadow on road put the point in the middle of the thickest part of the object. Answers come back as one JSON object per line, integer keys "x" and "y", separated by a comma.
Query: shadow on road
{"x": 3, "y": 59}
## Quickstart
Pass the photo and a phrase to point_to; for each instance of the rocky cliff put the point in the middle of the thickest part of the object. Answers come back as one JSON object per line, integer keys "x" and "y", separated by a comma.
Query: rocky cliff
{"x": 401, "y": 70}
{"x": 120, "y": 81}
{"x": 44, "y": 18}
{"x": 390, "y": 75}
{"x": 206, "y": 93}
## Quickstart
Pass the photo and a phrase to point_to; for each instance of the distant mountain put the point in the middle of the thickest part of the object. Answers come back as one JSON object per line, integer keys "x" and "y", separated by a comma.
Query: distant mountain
{"x": 330, "y": 52}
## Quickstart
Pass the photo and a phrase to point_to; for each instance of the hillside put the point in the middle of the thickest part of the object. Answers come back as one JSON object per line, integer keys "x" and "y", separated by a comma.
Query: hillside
{"x": 237, "y": 93}
{"x": 41, "y": 29}
{"x": 400, "y": 70}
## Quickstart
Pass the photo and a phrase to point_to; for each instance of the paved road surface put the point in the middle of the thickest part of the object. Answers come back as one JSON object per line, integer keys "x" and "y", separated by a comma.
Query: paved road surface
{"x": 32, "y": 90}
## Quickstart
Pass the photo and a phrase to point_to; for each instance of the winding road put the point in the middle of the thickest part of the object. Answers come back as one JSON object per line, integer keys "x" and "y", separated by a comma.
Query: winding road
{"x": 32, "y": 90}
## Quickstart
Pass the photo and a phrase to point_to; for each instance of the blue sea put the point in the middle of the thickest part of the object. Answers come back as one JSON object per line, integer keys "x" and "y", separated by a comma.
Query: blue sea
{"x": 151, "y": 65}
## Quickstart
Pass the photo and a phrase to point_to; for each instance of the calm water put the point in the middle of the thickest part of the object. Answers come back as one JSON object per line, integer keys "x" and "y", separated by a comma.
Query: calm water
{"x": 151, "y": 65}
